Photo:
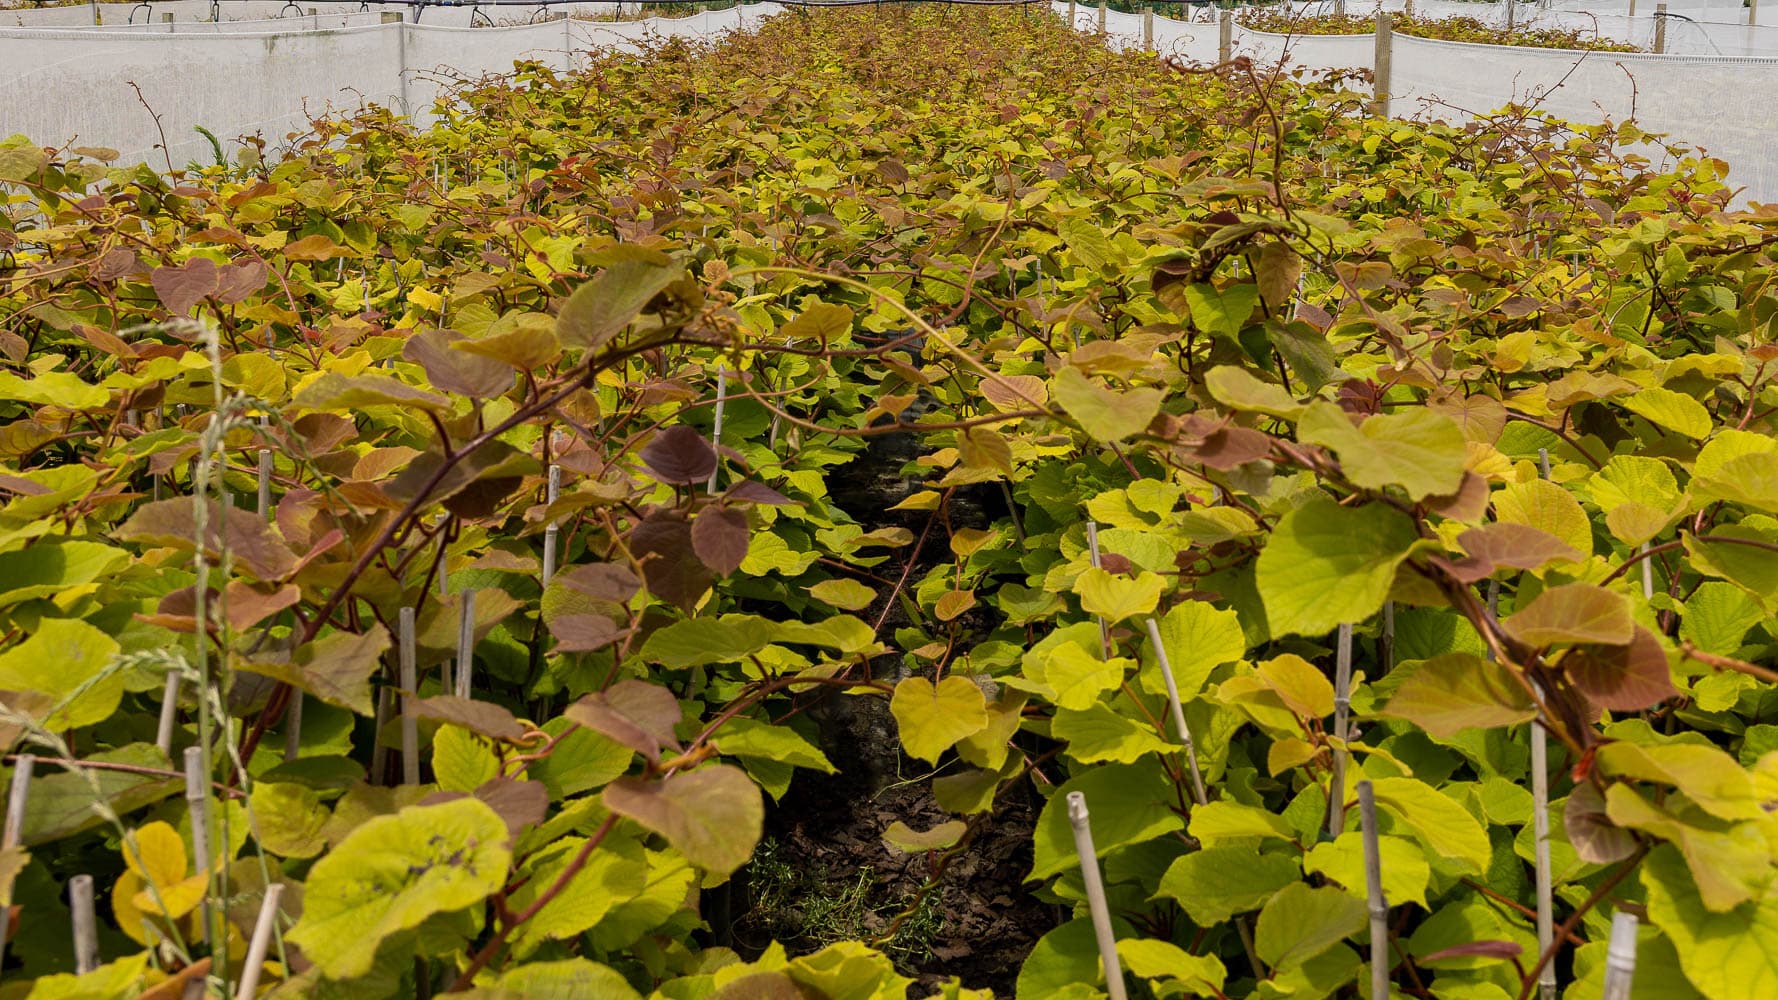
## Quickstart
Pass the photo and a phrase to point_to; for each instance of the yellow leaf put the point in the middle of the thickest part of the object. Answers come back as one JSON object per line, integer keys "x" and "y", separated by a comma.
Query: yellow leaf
{"x": 159, "y": 856}
{"x": 933, "y": 717}
{"x": 1116, "y": 597}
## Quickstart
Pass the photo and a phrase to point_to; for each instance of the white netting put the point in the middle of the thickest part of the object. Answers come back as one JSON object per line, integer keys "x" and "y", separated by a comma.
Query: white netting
{"x": 1680, "y": 95}
{"x": 74, "y": 85}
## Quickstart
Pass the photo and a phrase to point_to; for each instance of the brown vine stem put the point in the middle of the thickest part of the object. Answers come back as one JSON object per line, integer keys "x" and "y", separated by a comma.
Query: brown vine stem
{"x": 1528, "y": 983}
{"x": 274, "y": 710}
{"x": 1691, "y": 652}
{"x": 104, "y": 765}
{"x": 482, "y": 957}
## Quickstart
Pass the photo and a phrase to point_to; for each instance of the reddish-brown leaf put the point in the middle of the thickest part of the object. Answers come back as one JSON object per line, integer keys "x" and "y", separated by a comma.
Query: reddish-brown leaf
{"x": 602, "y": 581}
{"x": 583, "y": 633}
{"x": 753, "y": 492}
{"x": 634, "y": 713}
{"x": 251, "y": 542}
{"x": 1622, "y": 678}
{"x": 1594, "y": 836}
{"x": 679, "y": 455}
{"x": 479, "y": 717}
{"x": 719, "y": 536}
{"x": 180, "y": 288}
{"x": 671, "y": 569}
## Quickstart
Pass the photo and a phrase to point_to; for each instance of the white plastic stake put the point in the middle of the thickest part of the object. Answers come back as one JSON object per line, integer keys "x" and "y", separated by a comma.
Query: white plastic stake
{"x": 551, "y": 532}
{"x": 163, "y": 736}
{"x": 1373, "y": 881}
{"x": 86, "y": 926}
{"x": 1093, "y": 556}
{"x": 1620, "y": 958}
{"x": 1178, "y": 710}
{"x": 716, "y": 427}
{"x": 1336, "y": 798}
{"x": 465, "y": 644}
{"x": 262, "y": 938}
{"x": 16, "y": 799}
{"x": 197, "y": 800}
{"x": 379, "y": 754}
{"x": 265, "y": 482}
{"x": 410, "y": 720}
{"x": 1095, "y": 885}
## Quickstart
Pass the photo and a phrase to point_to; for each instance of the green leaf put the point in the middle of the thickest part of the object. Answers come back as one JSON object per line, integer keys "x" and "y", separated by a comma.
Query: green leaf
{"x": 616, "y": 872}
{"x": 54, "y": 567}
{"x": 335, "y": 668}
{"x": 1238, "y": 389}
{"x": 1405, "y": 871}
{"x": 1300, "y": 923}
{"x": 822, "y": 322}
{"x": 62, "y": 802}
{"x": 712, "y": 815}
{"x": 62, "y": 389}
{"x": 1707, "y": 776}
{"x": 1541, "y": 504}
{"x": 1106, "y": 414}
{"x": 903, "y": 838}
{"x": 1327, "y": 565}
{"x": 1198, "y": 637}
{"x": 1115, "y": 597}
{"x": 289, "y": 819}
{"x": 461, "y": 760}
{"x": 59, "y": 660}
{"x": 1727, "y": 955}
{"x": 752, "y": 739}
{"x": 1215, "y": 883}
{"x": 349, "y": 393}
{"x": 1573, "y": 612}
{"x": 933, "y": 717}
{"x": 1099, "y": 733}
{"x": 1078, "y": 677}
{"x": 848, "y": 594}
{"x": 1443, "y": 827}
{"x": 1202, "y": 975}
{"x": 1669, "y": 410}
{"x": 1226, "y": 819}
{"x": 601, "y": 308}
{"x": 1457, "y": 691}
{"x": 1128, "y": 804}
{"x": 1086, "y": 241}
{"x": 392, "y": 874}
{"x": 697, "y": 642}
{"x": 1221, "y": 312}
{"x": 1730, "y": 865}
{"x": 566, "y": 979}
{"x": 1418, "y": 450}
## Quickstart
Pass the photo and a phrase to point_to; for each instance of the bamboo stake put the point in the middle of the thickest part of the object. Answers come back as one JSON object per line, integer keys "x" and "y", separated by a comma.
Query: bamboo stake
{"x": 1540, "y": 821}
{"x": 466, "y": 644}
{"x": 1373, "y": 882}
{"x": 1336, "y": 799}
{"x": 1177, "y": 709}
{"x": 550, "y": 532}
{"x": 1093, "y": 555}
{"x": 716, "y": 427}
{"x": 379, "y": 754}
{"x": 163, "y": 736}
{"x": 410, "y": 720}
{"x": 16, "y": 799}
{"x": 197, "y": 800}
{"x": 262, "y": 937}
{"x": 1620, "y": 958}
{"x": 1648, "y": 575}
{"x": 1095, "y": 885}
{"x": 265, "y": 481}
{"x": 86, "y": 925}
{"x": 1386, "y": 657}
{"x": 293, "y": 726}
